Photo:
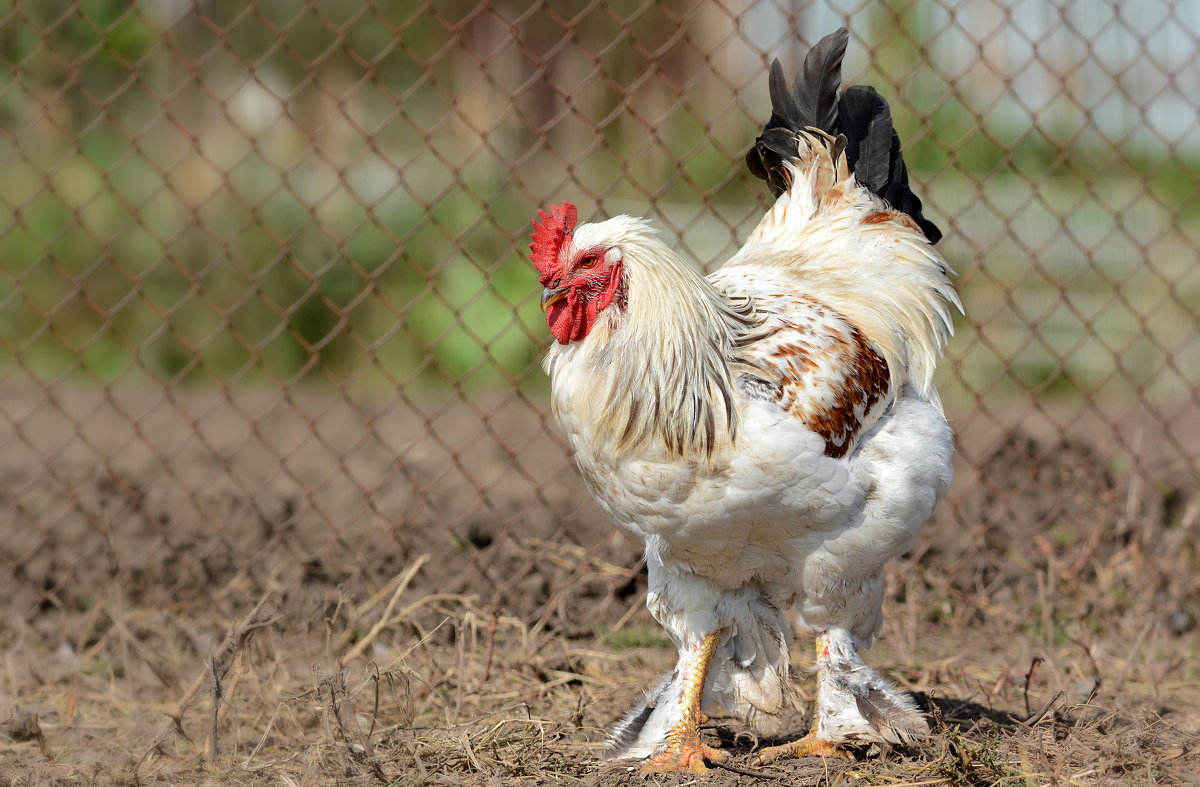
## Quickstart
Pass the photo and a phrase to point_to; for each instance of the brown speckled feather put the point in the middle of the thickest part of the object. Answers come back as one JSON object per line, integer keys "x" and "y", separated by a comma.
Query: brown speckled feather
{"x": 820, "y": 369}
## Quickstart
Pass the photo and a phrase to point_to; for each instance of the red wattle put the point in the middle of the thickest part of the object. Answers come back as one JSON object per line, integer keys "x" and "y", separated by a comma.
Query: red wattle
{"x": 565, "y": 317}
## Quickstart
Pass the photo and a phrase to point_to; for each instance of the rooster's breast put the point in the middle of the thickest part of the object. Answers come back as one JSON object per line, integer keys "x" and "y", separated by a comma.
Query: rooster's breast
{"x": 753, "y": 512}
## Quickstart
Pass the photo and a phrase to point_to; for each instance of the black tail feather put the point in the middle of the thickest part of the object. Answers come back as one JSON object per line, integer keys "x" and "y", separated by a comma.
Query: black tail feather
{"x": 861, "y": 115}
{"x": 810, "y": 103}
{"x": 873, "y": 153}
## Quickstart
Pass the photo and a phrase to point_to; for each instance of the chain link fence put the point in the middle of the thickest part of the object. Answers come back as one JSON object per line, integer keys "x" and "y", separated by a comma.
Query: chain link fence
{"x": 265, "y": 305}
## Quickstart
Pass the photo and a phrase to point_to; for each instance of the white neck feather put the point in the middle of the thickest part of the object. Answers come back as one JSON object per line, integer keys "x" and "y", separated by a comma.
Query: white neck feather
{"x": 657, "y": 370}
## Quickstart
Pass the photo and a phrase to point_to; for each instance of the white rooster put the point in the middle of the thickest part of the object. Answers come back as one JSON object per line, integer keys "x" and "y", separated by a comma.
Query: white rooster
{"x": 771, "y": 433}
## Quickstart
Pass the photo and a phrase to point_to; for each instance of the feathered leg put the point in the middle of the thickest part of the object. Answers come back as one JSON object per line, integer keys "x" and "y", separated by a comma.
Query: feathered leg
{"x": 816, "y": 743}
{"x": 854, "y": 703}
{"x": 684, "y": 751}
{"x": 664, "y": 729}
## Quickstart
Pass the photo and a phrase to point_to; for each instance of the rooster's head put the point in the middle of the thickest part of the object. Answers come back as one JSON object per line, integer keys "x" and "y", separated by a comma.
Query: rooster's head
{"x": 580, "y": 279}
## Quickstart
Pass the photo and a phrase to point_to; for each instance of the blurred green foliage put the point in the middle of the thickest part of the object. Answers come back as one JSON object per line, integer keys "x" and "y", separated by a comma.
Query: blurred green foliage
{"x": 341, "y": 191}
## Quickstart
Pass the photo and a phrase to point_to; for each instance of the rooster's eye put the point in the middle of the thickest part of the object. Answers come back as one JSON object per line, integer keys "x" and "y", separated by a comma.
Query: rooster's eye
{"x": 589, "y": 261}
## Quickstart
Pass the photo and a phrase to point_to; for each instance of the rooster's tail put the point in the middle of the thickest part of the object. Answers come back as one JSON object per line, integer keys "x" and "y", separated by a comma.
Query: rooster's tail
{"x": 859, "y": 120}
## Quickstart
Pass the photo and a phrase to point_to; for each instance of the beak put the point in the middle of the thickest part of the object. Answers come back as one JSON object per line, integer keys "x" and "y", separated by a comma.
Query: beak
{"x": 551, "y": 297}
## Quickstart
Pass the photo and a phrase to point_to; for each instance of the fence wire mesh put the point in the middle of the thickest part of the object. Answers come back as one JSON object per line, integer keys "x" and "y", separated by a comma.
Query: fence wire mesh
{"x": 264, "y": 293}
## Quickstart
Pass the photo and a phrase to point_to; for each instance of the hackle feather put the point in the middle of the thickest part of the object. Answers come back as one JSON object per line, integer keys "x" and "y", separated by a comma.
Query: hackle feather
{"x": 679, "y": 333}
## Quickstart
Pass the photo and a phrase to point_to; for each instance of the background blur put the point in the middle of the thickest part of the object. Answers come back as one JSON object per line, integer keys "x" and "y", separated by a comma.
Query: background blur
{"x": 268, "y": 332}
{"x": 263, "y": 272}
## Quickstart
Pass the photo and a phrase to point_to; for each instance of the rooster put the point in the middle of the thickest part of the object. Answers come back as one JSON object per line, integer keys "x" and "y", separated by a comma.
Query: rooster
{"x": 770, "y": 433}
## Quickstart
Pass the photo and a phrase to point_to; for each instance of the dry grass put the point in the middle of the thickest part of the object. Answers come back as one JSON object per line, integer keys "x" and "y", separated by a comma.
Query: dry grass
{"x": 1052, "y": 643}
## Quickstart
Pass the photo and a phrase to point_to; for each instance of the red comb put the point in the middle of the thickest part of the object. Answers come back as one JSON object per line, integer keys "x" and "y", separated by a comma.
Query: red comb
{"x": 550, "y": 235}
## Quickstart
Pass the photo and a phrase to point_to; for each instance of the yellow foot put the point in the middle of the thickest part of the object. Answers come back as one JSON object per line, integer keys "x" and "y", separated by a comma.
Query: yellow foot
{"x": 808, "y": 746}
{"x": 684, "y": 755}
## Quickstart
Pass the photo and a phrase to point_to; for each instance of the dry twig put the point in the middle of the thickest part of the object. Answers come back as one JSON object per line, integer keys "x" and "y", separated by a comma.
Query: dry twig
{"x": 218, "y": 665}
{"x": 386, "y": 618}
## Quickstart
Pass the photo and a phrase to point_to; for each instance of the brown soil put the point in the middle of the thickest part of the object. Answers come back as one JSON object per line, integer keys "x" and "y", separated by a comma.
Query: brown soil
{"x": 302, "y": 590}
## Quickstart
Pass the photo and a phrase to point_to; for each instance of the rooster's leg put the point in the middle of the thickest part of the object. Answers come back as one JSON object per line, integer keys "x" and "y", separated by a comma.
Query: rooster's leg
{"x": 684, "y": 751}
{"x": 854, "y": 703}
{"x": 815, "y": 743}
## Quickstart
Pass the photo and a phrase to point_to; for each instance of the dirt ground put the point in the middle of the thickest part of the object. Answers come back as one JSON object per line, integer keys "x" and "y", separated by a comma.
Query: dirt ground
{"x": 302, "y": 590}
